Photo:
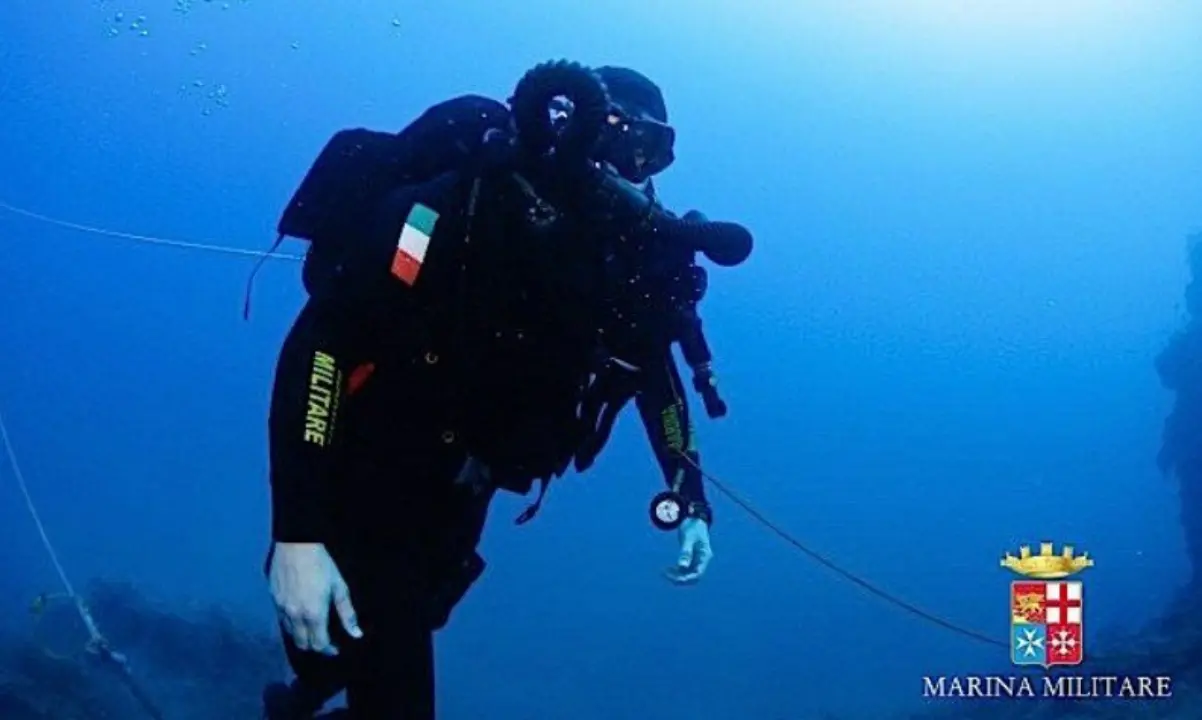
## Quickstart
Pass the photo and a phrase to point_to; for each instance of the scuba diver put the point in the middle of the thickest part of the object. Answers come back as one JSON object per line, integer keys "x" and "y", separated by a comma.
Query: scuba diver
{"x": 487, "y": 289}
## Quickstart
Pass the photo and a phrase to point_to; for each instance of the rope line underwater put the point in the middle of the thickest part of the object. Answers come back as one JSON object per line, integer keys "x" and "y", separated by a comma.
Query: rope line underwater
{"x": 743, "y": 504}
{"x": 148, "y": 239}
{"x": 97, "y": 643}
{"x": 829, "y": 564}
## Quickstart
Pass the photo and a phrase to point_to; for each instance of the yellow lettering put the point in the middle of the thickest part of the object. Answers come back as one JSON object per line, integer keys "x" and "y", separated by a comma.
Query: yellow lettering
{"x": 671, "y": 424}
{"x": 325, "y": 364}
{"x": 324, "y": 384}
{"x": 318, "y": 408}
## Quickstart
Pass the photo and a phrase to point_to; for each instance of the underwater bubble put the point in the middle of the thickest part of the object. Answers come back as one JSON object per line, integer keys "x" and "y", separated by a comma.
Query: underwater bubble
{"x": 119, "y": 17}
{"x": 220, "y": 95}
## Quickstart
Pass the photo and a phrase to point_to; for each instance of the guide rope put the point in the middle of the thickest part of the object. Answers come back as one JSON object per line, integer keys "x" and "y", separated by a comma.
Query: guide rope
{"x": 1182, "y": 658}
{"x": 97, "y": 643}
{"x": 831, "y": 565}
{"x": 147, "y": 239}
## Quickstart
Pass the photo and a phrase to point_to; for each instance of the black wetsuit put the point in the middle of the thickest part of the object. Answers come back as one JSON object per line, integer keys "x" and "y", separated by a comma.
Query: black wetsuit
{"x": 382, "y": 394}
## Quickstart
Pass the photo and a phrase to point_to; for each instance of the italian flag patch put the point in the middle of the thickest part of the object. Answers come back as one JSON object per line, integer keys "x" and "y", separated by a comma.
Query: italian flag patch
{"x": 412, "y": 243}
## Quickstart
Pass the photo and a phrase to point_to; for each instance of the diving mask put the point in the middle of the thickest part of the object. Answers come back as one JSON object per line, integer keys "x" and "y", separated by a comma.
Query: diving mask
{"x": 637, "y": 147}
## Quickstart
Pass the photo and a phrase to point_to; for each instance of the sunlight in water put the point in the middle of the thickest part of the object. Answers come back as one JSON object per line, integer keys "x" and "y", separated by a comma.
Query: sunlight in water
{"x": 960, "y": 24}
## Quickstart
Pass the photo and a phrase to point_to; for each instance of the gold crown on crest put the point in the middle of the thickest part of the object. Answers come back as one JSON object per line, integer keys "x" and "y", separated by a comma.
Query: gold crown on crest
{"x": 1047, "y": 564}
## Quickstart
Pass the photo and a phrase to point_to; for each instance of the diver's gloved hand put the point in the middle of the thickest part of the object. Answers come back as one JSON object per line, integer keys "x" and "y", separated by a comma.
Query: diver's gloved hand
{"x": 304, "y": 583}
{"x": 695, "y": 552}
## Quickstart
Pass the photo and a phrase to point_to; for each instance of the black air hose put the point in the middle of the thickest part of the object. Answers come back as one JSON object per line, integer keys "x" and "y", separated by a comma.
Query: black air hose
{"x": 531, "y": 104}
{"x": 724, "y": 243}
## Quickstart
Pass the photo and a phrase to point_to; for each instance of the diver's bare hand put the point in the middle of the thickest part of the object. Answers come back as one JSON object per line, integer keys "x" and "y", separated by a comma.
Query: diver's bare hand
{"x": 696, "y": 551}
{"x": 304, "y": 583}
